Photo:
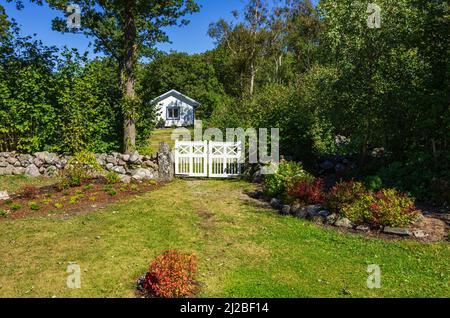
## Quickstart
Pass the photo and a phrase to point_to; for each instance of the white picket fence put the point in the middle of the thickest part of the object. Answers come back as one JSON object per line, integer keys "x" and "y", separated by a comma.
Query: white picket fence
{"x": 207, "y": 159}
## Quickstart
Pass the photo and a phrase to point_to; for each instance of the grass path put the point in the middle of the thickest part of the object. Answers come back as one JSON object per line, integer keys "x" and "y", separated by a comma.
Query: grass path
{"x": 244, "y": 250}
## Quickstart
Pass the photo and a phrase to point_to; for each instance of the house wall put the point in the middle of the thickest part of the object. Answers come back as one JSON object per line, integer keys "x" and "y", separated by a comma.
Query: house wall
{"x": 186, "y": 117}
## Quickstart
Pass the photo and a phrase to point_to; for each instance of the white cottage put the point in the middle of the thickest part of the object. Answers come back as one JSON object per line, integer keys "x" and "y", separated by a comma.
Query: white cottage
{"x": 176, "y": 109}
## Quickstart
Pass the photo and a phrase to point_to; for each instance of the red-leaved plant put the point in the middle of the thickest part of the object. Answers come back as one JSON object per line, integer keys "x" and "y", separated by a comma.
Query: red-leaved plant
{"x": 306, "y": 190}
{"x": 172, "y": 275}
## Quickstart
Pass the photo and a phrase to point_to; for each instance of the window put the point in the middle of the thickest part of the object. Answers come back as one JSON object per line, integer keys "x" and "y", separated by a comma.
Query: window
{"x": 173, "y": 113}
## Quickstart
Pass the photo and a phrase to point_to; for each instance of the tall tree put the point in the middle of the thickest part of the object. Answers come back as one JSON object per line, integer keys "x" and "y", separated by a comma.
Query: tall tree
{"x": 126, "y": 30}
{"x": 247, "y": 40}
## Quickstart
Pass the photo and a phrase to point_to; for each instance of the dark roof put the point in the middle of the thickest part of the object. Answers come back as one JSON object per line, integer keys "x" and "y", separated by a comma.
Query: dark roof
{"x": 178, "y": 95}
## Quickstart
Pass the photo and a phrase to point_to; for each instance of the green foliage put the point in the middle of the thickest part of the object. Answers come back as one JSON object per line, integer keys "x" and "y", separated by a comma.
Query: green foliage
{"x": 112, "y": 177}
{"x": 344, "y": 193}
{"x": 33, "y": 205}
{"x": 373, "y": 183}
{"x": 15, "y": 206}
{"x": 79, "y": 168}
{"x": 275, "y": 184}
{"x": 387, "y": 207}
{"x": 58, "y": 205}
{"x": 3, "y": 213}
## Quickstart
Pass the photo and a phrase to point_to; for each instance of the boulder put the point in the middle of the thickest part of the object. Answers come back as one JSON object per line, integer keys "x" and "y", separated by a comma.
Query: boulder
{"x": 134, "y": 157}
{"x": 38, "y": 162}
{"x": 109, "y": 166}
{"x": 125, "y": 179}
{"x": 396, "y": 231}
{"x": 165, "y": 163}
{"x": 111, "y": 159}
{"x": 119, "y": 170}
{"x": 299, "y": 211}
{"x": 11, "y": 160}
{"x": 126, "y": 157}
{"x": 324, "y": 214}
{"x": 18, "y": 170}
{"x": 51, "y": 171}
{"x": 286, "y": 210}
{"x": 4, "y": 195}
{"x": 313, "y": 210}
{"x": 331, "y": 219}
{"x": 362, "y": 228}
{"x": 344, "y": 222}
{"x": 142, "y": 174}
{"x": 32, "y": 171}
{"x": 275, "y": 203}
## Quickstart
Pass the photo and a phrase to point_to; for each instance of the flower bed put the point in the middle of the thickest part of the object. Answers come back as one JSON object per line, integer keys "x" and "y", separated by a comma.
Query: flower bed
{"x": 349, "y": 205}
{"x": 56, "y": 200}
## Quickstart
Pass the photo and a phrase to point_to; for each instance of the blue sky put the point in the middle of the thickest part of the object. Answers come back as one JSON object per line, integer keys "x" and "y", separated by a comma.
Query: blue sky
{"x": 35, "y": 19}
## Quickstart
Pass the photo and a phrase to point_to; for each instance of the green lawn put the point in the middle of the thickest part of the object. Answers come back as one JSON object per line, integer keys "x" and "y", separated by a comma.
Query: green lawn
{"x": 244, "y": 250}
{"x": 162, "y": 135}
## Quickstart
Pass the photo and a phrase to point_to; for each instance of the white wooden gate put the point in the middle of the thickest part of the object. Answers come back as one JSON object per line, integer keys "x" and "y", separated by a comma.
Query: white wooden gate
{"x": 203, "y": 158}
{"x": 191, "y": 158}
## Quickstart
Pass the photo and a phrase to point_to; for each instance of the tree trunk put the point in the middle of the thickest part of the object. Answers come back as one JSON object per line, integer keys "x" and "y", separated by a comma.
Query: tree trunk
{"x": 129, "y": 78}
{"x": 252, "y": 79}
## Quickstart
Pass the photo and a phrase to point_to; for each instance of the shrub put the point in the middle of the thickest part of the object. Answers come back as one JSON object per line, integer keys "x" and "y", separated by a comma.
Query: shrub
{"x": 306, "y": 190}
{"x": 112, "y": 177}
{"x": 15, "y": 206}
{"x": 373, "y": 183}
{"x": 73, "y": 200}
{"x": 344, "y": 193}
{"x": 387, "y": 207}
{"x": 33, "y": 206}
{"x": 88, "y": 187}
{"x": 171, "y": 275}
{"x": 79, "y": 169}
{"x": 58, "y": 205}
{"x": 112, "y": 192}
{"x": 275, "y": 184}
{"x": 3, "y": 213}
{"x": 29, "y": 192}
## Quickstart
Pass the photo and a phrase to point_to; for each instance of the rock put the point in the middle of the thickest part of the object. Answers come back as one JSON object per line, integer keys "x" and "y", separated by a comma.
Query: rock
{"x": 165, "y": 163}
{"x": 51, "y": 171}
{"x": 120, "y": 162}
{"x": 317, "y": 219}
{"x": 150, "y": 164}
{"x": 419, "y": 234}
{"x": 37, "y": 162}
{"x": 363, "y": 228}
{"x": 18, "y": 170}
{"x": 327, "y": 165}
{"x": 344, "y": 222}
{"x": 313, "y": 210}
{"x": 11, "y": 160}
{"x": 49, "y": 158}
{"x": 32, "y": 171}
{"x": 331, "y": 219}
{"x": 142, "y": 174}
{"x": 125, "y": 179}
{"x": 4, "y": 195}
{"x": 257, "y": 177}
{"x": 286, "y": 210}
{"x": 339, "y": 168}
{"x": 109, "y": 166}
{"x": 299, "y": 211}
{"x": 420, "y": 217}
{"x": 111, "y": 159}
{"x": 396, "y": 231}
{"x": 134, "y": 157}
{"x": 3, "y": 162}
{"x": 126, "y": 157}
{"x": 275, "y": 203}
{"x": 119, "y": 170}
{"x": 18, "y": 164}
{"x": 324, "y": 213}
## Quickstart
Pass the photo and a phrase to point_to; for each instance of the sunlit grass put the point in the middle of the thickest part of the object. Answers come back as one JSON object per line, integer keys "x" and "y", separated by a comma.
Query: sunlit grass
{"x": 244, "y": 250}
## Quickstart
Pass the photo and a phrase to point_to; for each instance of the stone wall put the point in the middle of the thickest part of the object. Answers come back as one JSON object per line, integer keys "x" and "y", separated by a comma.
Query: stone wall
{"x": 129, "y": 166}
